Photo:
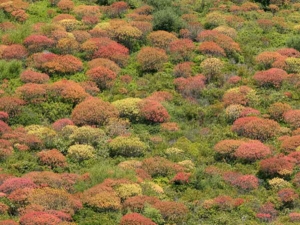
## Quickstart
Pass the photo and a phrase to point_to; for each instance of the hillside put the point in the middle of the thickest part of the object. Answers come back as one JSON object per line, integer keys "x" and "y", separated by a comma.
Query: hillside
{"x": 149, "y": 112}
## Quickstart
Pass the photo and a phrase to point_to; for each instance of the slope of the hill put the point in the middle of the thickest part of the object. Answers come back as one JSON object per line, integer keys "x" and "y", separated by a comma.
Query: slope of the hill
{"x": 149, "y": 112}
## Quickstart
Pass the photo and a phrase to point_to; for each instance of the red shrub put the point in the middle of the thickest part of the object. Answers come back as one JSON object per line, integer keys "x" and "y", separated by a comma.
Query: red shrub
{"x": 265, "y": 24}
{"x": 19, "y": 196}
{"x": 234, "y": 80}
{"x": 190, "y": 87}
{"x": 153, "y": 111}
{"x": 273, "y": 77}
{"x": 63, "y": 64}
{"x": 182, "y": 49}
{"x": 211, "y": 48}
{"x": 278, "y": 165}
{"x": 81, "y": 35}
{"x": 15, "y": 51}
{"x": 30, "y": 76}
{"x": 267, "y": 212}
{"x": 237, "y": 96}
{"x": 4, "y": 116}
{"x": 11, "y": 105}
{"x": 93, "y": 111}
{"x": 90, "y": 87}
{"x": 256, "y": 128}
{"x": 37, "y": 60}
{"x": 59, "y": 124}
{"x": 252, "y": 151}
{"x": 181, "y": 178}
{"x": 15, "y": 183}
{"x": 137, "y": 203}
{"x": 289, "y": 52}
{"x": 151, "y": 59}
{"x": 4, "y": 128}
{"x": 277, "y": 110}
{"x": 183, "y": 69}
{"x": 160, "y": 96}
{"x": 292, "y": 117}
{"x": 52, "y": 158}
{"x": 287, "y": 195}
{"x": 135, "y": 219}
{"x": 64, "y": 181}
{"x": 102, "y": 76}
{"x": 246, "y": 182}
{"x": 290, "y": 144}
{"x": 113, "y": 51}
{"x": 227, "y": 147}
{"x": 172, "y": 211}
{"x": 294, "y": 217}
{"x": 117, "y": 9}
{"x": 33, "y": 93}
{"x": 38, "y": 43}
{"x": 248, "y": 111}
{"x": 39, "y": 218}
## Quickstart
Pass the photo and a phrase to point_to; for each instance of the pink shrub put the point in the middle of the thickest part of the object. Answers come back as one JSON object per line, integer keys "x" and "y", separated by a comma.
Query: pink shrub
{"x": 292, "y": 117}
{"x": 12, "y": 184}
{"x": 39, "y": 218}
{"x": 30, "y": 76}
{"x": 59, "y": 124}
{"x": 273, "y": 77}
{"x": 252, "y": 151}
{"x": 135, "y": 219}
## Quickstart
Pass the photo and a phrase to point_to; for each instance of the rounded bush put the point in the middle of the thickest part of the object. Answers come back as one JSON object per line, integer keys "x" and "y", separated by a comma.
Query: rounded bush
{"x": 153, "y": 111}
{"x": 277, "y": 110}
{"x": 251, "y": 151}
{"x": 135, "y": 219}
{"x": 52, "y": 158}
{"x": 127, "y": 146}
{"x": 81, "y": 152}
{"x": 151, "y": 59}
{"x": 292, "y": 117}
{"x": 227, "y": 147}
{"x": 128, "y": 108}
{"x": 93, "y": 111}
{"x": 272, "y": 77}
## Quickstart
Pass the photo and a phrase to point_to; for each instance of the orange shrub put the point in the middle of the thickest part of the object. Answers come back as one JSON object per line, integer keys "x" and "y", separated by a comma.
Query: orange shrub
{"x": 183, "y": 69}
{"x": 93, "y": 111}
{"x": 290, "y": 143}
{"x": 33, "y": 93}
{"x": 266, "y": 59}
{"x": 30, "y": 76}
{"x": 256, "y": 128}
{"x": 135, "y": 219}
{"x": 277, "y": 110}
{"x": 161, "y": 39}
{"x": 292, "y": 117}
{"x": 11, "y": 105}
{"x": 211, "y": 48}
{"x": 227, "y": 147}
{"x": 251, "y": 151}
{"x": 63, "y": 64}
{"x": 65, "y": 5}
{"x": 181, "y": 49}
{"x": 52, "y": 158}
{"x": 277, "y": 165}
{"x": 172, "y": 212}
{"x": 102, "y": 76}
{"x": 151, "y": 59}
{"x": 158, "y": 166}
{"x": 138, "y": 203}
{"x": 153, "y": 111}
{"x": 104, "y": 63}
{"x": 14, "y": 51}
{"x": 37, "y": 43}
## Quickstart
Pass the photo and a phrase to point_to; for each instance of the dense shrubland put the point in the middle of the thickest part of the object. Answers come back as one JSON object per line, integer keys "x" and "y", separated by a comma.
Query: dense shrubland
{"x": 149, "y": 112}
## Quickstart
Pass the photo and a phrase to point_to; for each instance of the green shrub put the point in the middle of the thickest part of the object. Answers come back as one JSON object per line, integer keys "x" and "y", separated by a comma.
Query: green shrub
{"x": 293, "y": 42}
{"x": 10, "y": 70}
{"x": 167, "y": 19}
